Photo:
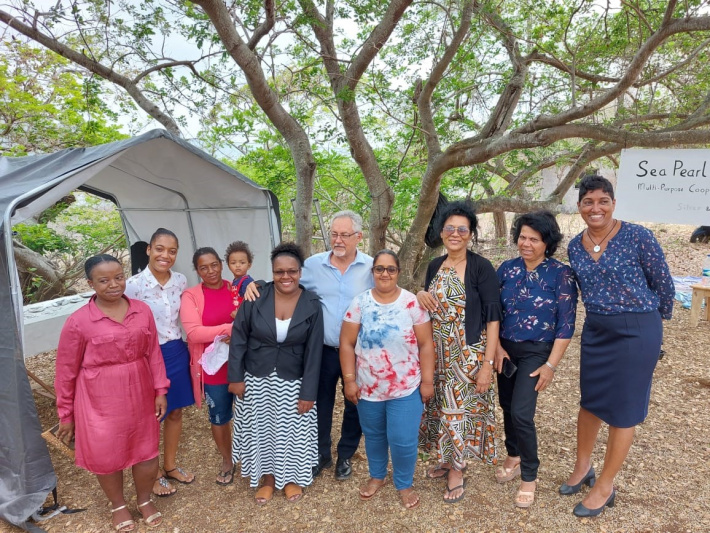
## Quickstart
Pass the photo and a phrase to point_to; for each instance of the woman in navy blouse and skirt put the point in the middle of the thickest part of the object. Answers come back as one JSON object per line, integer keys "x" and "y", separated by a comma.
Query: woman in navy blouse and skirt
{"x": 539, "y": 298}
{"x": 626, "y": 289}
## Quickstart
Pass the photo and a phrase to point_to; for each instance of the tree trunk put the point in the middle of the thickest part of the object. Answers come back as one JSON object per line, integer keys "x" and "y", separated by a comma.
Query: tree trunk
{"x": 501, "y": 226}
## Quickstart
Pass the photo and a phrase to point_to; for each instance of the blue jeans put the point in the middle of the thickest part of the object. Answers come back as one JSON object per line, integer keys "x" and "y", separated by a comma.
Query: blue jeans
{"x": 392, "y": 425}
{"x": 219, "y": 403}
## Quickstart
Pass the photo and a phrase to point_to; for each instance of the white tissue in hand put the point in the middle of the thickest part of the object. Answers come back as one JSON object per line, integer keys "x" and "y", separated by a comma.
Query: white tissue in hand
{"x": 215, "y": 355}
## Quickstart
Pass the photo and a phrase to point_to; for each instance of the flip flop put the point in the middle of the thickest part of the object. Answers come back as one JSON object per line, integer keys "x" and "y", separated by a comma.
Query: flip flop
{"x": 126, "y": 525}
{"x": 410, "y": 499}
{"x": 265, "y": 494}
{"x": 293, "y": 492}
{"x": 153, "y": 520}
{"x": 182, "y": 472}
{"x": 371, "y": 484}
{"x": 431, "y": 472}
{"x": 228, "y": 474}
{"x": 452, "y": 489}
{"x": 163, "y": 482}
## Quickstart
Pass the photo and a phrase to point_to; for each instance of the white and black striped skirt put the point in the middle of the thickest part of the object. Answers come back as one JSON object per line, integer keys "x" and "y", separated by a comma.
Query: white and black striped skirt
{"x": 270, "y": 437}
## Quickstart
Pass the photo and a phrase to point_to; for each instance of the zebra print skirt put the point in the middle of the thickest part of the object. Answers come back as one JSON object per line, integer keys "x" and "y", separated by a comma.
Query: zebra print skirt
{"x": 270, "y": 437}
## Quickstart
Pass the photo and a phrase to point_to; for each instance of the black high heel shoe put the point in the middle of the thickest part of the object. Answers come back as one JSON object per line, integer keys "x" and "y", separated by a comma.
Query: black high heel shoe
{"x": 583, "y": 512}
{"x": 589, "y": 479}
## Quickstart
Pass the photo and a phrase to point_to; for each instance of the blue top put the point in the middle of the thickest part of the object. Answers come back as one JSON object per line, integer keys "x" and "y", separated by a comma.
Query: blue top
{"x": 540, "y": 305}
{"x": 631, "y": 276}
{"x": 247, "y": 280}
{"x": 336, "y": 290}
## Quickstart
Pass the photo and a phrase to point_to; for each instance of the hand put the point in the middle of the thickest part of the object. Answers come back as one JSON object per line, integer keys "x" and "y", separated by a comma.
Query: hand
{"x": 352, "y": 391}
{"x": 252, "y": 292}
{"x": 227, "y": 339}
{"x": 304, "y": 406}
{"x": 483, "y": 378}
{"x": 237, "y": 389}
{"x": 65, "y": 432}
{"x": 161, "y": 406}
{"x": 501, "y": 354}
{"x": 427, "y": 391}
{"x": 233, "y": 314}
{"x": 546, "y": 376}
{"x": 427, "y": 301}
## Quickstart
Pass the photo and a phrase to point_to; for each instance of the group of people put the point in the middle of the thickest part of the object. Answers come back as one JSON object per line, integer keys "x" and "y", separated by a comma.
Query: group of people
{"x": 416, "y": 370}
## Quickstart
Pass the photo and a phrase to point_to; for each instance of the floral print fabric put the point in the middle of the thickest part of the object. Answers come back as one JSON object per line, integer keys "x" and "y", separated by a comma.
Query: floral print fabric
{"x": 387, "y": 364}
{"x": 538, "y": 305}
{"x": 631, "y": 276}
{"x": 458, "y": 424}
{"x": 163, "y": 300}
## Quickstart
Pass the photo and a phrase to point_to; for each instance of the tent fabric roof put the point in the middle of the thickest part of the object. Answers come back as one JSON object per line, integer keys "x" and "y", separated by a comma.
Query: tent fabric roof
{"x": 156, "y": 180}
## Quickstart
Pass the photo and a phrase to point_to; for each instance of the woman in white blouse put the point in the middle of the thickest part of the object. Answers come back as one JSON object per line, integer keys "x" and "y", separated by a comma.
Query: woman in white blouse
{"x": 161, "y": 288}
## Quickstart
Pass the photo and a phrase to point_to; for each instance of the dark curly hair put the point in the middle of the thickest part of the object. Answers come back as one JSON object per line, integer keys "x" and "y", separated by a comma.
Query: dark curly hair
{"x": 288, "y": 248}
{"x": 594, "y": 182}
{"x": 205, "y": 250}
{"x": 545, "y": 224}
{"x": 462, "y": 208}
{"x": 239, "y": 246}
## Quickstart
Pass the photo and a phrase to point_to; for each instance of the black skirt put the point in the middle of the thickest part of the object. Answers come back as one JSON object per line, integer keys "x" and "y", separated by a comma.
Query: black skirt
{"x": 619, "y": 355}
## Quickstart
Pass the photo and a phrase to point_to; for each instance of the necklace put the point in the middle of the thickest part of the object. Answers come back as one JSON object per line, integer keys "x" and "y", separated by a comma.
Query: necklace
{"x": 597, "y": 247}
{"x": 456, "y": 263}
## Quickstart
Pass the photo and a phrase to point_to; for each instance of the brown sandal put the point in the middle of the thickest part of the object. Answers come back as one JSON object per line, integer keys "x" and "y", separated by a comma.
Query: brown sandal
{"x": 372, "y": 487}
{"x": 410, "y": 499}
{"x": 264, "y": 495}
{"x": 293, "y": 492}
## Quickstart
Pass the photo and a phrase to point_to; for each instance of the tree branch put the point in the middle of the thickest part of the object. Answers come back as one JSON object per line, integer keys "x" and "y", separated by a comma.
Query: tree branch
{"x": 630, "y": 76}
{"x": 265, "y": 27}
{"x": 93, "y": 66}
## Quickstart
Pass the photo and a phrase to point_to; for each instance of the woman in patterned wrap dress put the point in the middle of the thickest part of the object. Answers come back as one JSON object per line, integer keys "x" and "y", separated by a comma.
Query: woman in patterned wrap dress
{"x": 463, "y": 298}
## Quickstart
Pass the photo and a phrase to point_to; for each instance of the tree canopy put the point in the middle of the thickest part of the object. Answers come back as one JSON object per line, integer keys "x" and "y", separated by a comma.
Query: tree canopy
{"x": 393, "y": 101}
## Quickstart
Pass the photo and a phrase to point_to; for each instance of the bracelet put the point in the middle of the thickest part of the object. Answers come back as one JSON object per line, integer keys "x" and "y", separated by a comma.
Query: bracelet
{"x": 348, "y": 376}
{"x": 551, "y": 366}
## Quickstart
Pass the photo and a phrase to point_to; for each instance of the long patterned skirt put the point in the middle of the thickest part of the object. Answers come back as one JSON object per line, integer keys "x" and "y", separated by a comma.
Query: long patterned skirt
{"x": 270, "y": 437}
{"x": 458, "y": 424}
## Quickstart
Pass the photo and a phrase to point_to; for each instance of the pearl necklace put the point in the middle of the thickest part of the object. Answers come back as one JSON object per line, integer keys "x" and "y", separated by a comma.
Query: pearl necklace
{"x": 597, "y": 247}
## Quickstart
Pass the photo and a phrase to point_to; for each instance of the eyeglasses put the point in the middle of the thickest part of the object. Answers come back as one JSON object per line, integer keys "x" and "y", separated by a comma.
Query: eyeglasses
{"x": 290, "y": 272}
{"x": 462, "y": 230}
{"x": 335, "y": 236}
{"x": 391, "y": 270}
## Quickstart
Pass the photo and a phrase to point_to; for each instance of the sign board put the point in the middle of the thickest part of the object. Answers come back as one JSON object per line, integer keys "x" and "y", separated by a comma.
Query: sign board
{"x": 669, "y": 186}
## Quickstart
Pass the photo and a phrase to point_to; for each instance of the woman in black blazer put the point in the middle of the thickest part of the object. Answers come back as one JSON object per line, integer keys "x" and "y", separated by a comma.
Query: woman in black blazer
{"x": 274, "y": 365}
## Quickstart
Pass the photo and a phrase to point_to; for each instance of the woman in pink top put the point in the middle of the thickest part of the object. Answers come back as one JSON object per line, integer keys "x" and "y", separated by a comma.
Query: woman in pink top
{"x": 111, "y": 386}
{"x": 205, "y": 312}
{"x": 387, "y": 357}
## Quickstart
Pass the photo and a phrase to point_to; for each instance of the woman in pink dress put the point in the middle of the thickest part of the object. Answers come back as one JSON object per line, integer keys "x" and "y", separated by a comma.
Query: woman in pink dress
{"x": 111, "y": 386}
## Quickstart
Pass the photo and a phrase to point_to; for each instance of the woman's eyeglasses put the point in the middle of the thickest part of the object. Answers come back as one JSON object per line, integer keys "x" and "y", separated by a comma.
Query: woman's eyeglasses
{"x": 462, "y": 230}
{"x": 281, "y": 273}
{"x": 391, "y": 270}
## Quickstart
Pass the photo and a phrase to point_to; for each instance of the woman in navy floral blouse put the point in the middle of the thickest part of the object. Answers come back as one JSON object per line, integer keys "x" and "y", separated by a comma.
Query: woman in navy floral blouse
{"x": 626, "y": 289}
{"x": 539, "y": 298}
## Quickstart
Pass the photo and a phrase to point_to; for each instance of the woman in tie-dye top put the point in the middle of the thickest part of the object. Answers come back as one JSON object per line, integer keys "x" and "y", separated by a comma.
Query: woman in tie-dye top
{"x": 387, "y": 358}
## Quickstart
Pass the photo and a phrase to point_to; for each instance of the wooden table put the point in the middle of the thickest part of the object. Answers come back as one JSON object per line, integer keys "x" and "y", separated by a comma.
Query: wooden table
{"x": 701, "y": 293}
